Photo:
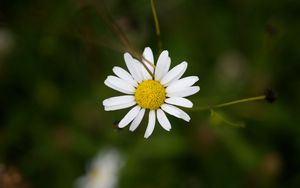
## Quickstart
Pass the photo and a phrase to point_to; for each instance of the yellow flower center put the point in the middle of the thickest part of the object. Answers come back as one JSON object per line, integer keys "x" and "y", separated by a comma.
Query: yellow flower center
{"x": 150, "y": 94}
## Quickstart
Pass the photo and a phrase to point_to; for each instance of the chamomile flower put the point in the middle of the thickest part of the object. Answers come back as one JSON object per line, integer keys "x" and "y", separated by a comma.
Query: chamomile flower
{"x": 160, "y": 92}
{"x": 103, "y": 172}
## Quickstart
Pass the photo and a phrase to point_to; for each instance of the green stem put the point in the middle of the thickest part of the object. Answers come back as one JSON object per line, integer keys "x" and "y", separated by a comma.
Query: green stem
{"x": 157, "y": 28}
{"x": 262, "y": 97}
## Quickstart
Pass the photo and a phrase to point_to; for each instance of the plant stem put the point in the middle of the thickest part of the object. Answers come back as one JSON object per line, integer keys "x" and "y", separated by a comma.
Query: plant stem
{"x": 157, "y": 28}
{"x": 262, "y": 97}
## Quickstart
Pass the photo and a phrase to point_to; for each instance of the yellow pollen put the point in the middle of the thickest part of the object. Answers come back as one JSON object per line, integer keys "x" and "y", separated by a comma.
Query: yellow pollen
{"x": 150, "y": 94}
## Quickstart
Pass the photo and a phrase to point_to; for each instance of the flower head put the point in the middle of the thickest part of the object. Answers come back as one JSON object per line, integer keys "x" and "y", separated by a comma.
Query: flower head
{"x": 157, "y": 89}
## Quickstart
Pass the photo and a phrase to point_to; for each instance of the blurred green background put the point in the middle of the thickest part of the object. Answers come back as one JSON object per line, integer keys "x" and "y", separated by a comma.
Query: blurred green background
{"x": 55, "y": 56}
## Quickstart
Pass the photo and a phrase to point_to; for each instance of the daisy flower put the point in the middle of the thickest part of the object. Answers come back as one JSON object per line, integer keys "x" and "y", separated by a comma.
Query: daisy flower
{"x": 159, "y": 92}
{"x": 103, "y": 172}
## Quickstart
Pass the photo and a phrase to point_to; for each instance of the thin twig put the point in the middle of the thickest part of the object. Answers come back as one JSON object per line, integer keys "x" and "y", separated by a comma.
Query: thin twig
{"x": 115, "y": 28}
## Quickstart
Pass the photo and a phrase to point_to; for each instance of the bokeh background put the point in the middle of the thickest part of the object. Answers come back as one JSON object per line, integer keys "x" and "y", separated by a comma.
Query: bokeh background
{"x": 55, "y": 56}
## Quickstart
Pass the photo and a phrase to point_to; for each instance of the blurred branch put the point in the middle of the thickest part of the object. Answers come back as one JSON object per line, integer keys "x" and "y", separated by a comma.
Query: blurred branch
{"x": 104, "y": 13}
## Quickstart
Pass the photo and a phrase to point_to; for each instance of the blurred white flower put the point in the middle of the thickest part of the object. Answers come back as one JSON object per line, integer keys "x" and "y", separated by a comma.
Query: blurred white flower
{"x": 231, "y": 69}
{"x": 159, "y": 93}
{"x": 103, "y": 171}
{"x": 6, "y": 41}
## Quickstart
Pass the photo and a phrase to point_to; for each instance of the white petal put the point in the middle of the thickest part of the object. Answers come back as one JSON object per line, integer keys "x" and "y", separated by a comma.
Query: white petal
{"x": 179, "y": 101}
{"x": 143, "y": 73}
{"x": 119, "y": 85}
{"x": 107, "y": 83}
{"x": 163, "y": 65}
{"x": 118, "y": 100}
{"x": 184, "y": 92}
{"x": 148, "y": 58}
{"x": 129, "y": 116}
{"x": 151, "y": 124}
{"x": 132, "y": 68}
{"x": 123, "y": 74}
{"x": 119, "y": 106}
{"x": 163, "y": 120}
{"x": 174, "y": 111}
{"x": 182, "y": 83}
{"x": 137, "y": 120}
{"x": 174, "y": 74}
